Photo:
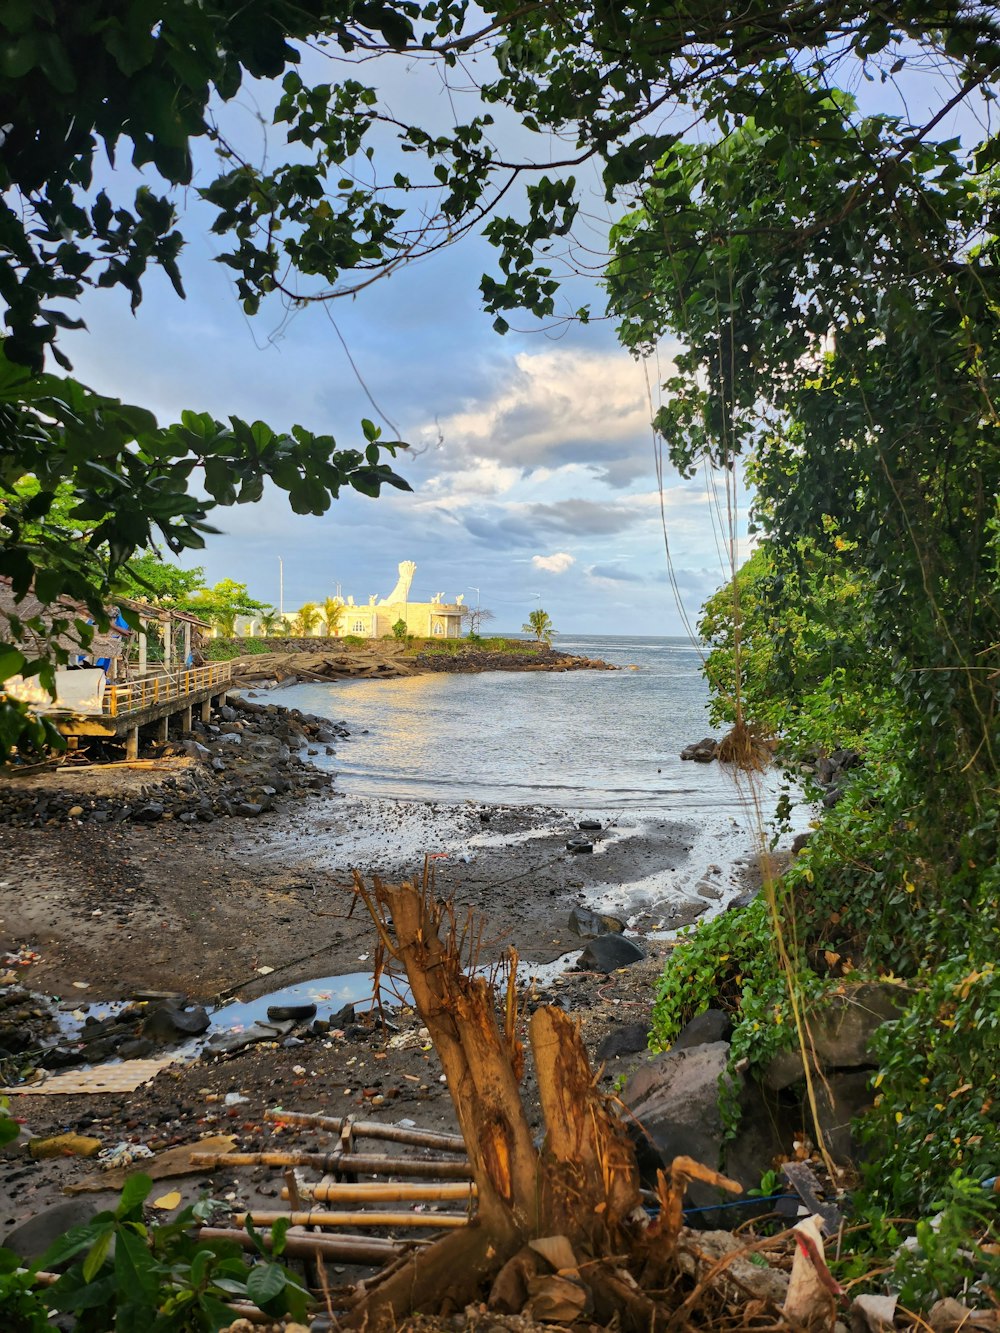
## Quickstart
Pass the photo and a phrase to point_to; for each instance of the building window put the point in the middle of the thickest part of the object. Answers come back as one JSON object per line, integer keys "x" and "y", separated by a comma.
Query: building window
{"x": 438, "y": 627}
{"x": 359, "y": 627}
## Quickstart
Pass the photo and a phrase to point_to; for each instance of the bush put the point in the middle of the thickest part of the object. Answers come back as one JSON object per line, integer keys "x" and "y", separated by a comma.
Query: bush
{"x": 937, "y": 1110}
{"x": 224, "y": 650}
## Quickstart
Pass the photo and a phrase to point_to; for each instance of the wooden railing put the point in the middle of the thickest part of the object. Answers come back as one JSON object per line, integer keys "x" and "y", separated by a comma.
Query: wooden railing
{"x": 148, "y": 691}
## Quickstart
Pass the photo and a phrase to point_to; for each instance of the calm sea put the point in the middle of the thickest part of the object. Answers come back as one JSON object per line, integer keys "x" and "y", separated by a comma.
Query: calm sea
{"x": 584, "y": 739}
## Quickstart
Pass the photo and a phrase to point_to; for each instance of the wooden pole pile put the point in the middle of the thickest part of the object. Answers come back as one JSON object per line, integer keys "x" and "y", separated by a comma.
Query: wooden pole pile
{"x": 343, "y": 1236}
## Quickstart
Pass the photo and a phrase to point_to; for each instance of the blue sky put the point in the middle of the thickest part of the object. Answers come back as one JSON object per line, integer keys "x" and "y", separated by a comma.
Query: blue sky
{"x": 532, "y": 468}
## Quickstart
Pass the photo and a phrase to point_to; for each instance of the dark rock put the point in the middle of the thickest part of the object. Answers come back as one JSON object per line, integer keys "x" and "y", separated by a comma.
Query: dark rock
{"x": 711, "y": 1026}
{"x": 608, "y": 952}
{"x": 840, "y": 1099}
{"x": 136, "y": 1048}
{"x": 225, "y": 1043}
{"x": 219, "y": 765}
{"x": 344, "y": 1017}
{"x": 148, "y": 814}
{"x": 842, "y": 1031}
{"x": 703, "y": 751}
{"x": 248, "y": 808}
{"x": 197, "y": 751}
{"x": 168, "y": 1022}
{"x": 800, "y": 841}
{"x": 227, "y": 713}
{"x": 742, "y": 900}
{"x": 29, "y": 1240}
{"x": 589, "y": 925}
{"x": 675, "y": 1097}
{"x": 624, "y": 1040}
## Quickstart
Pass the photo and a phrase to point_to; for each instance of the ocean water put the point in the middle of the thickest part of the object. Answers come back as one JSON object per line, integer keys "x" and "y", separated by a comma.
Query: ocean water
{"x": 581, "y": 740}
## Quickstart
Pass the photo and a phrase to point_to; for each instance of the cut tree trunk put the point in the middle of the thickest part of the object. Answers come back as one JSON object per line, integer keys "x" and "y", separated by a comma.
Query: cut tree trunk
{"x": 581, "y": 1190}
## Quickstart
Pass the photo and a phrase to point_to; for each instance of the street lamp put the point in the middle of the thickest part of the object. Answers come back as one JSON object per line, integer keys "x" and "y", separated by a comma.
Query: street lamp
{"x": 473, "y": 588}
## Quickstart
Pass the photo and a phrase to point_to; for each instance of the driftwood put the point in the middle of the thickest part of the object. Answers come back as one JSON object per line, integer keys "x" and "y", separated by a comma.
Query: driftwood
{"x": 345, "y": 1249}
{"x": 379, "y": 1192}
{"x": 563, "y": 1224}
{"x": 371, "y": 1129}
{"x": 426, "y": 1221}
{"x": 355, "y": 1163}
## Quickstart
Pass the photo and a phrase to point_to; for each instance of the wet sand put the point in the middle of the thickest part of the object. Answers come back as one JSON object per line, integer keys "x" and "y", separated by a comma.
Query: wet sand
{"x": 204, "y": 909}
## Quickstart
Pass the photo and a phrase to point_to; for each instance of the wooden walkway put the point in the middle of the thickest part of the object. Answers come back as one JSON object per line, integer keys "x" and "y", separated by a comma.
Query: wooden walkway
{"x": 157, "y": 698}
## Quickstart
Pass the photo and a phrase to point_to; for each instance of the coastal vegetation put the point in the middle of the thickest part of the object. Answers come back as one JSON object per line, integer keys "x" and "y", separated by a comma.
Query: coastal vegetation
{"x": 830, "y": 275}
{"x": 539, "y": 623}
{"x": 844, "y": 354}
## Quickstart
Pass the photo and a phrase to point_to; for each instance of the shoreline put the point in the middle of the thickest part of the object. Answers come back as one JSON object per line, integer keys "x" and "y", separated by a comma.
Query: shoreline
{"x": 250, "y": 906}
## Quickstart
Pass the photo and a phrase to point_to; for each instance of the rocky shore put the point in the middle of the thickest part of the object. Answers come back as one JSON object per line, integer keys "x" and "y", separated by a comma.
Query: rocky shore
{"x": 287, "y": 661}
{"x": 126, "y": 923}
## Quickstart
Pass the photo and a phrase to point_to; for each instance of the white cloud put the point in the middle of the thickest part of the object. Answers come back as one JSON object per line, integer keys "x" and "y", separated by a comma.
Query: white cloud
{"x": 558, "y": 563}
{"x": 551, "y": 409}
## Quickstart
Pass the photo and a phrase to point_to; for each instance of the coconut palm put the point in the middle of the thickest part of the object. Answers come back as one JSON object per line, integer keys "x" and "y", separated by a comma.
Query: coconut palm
{"x": 331, "y": 612}
{"x": 225, "y": 622}
{"x": 306, "y": 619}
{"x": 540, "y": 624}
{"x": 270, "y": 623}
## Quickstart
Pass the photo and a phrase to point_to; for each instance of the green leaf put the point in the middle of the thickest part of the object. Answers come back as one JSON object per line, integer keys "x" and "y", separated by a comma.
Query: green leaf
{"x": 134, "y": 1193}
{"x": 97, "y": 1254}
{"x": 266, "y": 1280}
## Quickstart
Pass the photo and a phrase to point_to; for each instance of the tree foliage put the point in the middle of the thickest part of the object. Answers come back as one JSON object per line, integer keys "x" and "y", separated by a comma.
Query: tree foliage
{"x": 539, "y": 623}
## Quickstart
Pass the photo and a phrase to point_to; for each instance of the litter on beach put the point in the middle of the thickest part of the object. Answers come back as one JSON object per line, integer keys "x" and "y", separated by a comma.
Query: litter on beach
{"x": 123, "y": 1077}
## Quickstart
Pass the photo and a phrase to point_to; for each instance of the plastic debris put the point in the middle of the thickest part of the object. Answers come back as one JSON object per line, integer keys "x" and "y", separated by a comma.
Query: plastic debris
{"x": 123, "y": 1154}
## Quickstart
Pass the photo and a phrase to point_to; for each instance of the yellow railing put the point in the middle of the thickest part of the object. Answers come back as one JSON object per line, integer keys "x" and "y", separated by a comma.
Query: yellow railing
{"x": 148, "y": 691}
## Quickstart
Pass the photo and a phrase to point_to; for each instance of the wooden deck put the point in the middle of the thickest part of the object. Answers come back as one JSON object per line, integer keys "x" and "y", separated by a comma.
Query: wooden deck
{"x": 152, "y": 698}
{"x": 138, "y": 696}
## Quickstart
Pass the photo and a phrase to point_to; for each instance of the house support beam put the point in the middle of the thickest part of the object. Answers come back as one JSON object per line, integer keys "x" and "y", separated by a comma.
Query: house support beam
{"x": 163, "y": 729}
{"x": 186, "y": 718}
{"x": 132, "y": 743}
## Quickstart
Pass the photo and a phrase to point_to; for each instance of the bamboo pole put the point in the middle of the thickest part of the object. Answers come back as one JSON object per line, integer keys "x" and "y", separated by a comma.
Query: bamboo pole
{"x": 353, "y": 1249}
{"x": 356, "y": 1163}
{"x": 361, "y": 1219}
{"x": 372, "y": 1129}
{"x": 381, "y": 1192}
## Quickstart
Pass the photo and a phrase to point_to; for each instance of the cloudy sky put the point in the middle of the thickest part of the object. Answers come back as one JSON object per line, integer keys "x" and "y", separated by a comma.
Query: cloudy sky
{"x": 532, "y": 466}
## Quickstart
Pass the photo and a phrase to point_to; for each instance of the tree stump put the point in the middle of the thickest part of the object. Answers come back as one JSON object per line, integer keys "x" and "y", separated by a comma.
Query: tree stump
{"x": 555, "y": 1226}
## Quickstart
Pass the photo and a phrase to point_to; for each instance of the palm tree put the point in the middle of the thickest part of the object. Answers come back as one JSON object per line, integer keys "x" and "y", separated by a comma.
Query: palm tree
{"x": 225, "y": 622}
{"x": 270, "y": 623}
{"x": 306, "y": 619}
{"x": 332, "y": 610}
{"x": 540, "y": 624}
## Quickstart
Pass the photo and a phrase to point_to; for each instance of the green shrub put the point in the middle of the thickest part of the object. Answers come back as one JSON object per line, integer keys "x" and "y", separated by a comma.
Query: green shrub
{"x": 938, "y": 1088}
{"x": 119, "y": 1272}
{"x": 354, "y": 640}
{"x": 399, "y": 629}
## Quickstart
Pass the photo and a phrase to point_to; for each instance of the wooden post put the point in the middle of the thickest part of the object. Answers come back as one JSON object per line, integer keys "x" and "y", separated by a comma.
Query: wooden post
{"x": 206, "y": 710}
{"x": 132, "y": 743}
{"x": 142, "y": 647}
{"x": 187, "y": 642}
{"x": 163, "y": 729}
{"x": 168, "y": 626}
{"x": 186, "y": 718}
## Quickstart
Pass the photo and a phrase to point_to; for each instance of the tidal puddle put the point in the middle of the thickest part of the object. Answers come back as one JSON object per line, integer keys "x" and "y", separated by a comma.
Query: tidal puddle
{"x": 328, "y": 994}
